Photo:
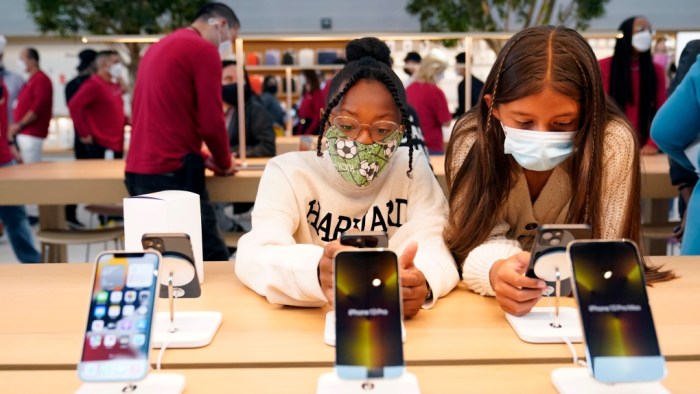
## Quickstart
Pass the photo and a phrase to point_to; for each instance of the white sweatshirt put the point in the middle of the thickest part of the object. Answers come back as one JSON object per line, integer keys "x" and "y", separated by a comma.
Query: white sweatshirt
{"x": 303, "y": 203}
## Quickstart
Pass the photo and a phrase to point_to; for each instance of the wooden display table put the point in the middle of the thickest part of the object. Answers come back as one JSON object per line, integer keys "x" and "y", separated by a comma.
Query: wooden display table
{"x": 43, "y": 319}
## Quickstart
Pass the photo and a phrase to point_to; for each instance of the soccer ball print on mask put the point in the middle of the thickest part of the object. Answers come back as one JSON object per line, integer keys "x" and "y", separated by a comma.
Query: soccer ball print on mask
{"x": 358, "y": 163}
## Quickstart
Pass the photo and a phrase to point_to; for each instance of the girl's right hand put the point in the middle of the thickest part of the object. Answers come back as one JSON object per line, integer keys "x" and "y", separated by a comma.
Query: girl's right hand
{"x": 516, "y": 293}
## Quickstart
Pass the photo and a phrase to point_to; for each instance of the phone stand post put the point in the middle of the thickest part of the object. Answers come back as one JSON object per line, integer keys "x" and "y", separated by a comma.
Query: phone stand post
{"x": 154, "y": 383}
{"x": 549, "y": 324}
{"x": 331, "y": 383}
{"x": 579, "y": 380}
{"x": 182, "y": 329}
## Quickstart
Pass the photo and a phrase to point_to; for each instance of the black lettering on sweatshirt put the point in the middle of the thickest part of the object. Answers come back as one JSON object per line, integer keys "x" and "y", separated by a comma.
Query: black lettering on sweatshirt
{"x": 330, "y": 225}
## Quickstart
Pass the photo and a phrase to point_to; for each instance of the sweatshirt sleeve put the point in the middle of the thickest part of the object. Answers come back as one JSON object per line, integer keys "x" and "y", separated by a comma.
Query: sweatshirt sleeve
{"x": 268, "y": 260}
{"x": 427, "y": 212}
{"x": 618, "y": 158}
{"x": 207, "y": 87}
{"x": 677, "y": 124}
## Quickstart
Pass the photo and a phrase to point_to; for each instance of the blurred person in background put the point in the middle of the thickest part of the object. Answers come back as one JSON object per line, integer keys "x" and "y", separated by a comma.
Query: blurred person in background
{"x": 260, "y": 136}
{"x": 176, "y": 108}
{"x": 430, "y": 102}
{"x": 32, "y": 114}
{"x": 13, "y": 81}
{"x": 97, "y": 109}
{"x": 312, "y": 102}
{"x": 684, "y": 178}
{"x": 411, "y": 64}
{"x": 269, "y": 100}
{"x": 477, "y": 86}
{"x": 85, "y": 68}
{"x": 14, "y": 217}
{"x": 635, "y": 83}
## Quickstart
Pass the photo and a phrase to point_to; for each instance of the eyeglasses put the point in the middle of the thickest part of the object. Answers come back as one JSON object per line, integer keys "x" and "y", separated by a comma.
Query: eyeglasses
{"x": 379, "y": 130}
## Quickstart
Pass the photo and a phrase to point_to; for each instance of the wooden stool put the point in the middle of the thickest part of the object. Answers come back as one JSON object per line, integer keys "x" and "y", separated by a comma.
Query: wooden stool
{"x": 77, "y": 237}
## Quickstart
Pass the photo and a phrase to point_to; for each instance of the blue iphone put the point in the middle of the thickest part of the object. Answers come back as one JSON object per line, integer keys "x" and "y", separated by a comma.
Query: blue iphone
{"x": 368, "y": 314}
{"x": 609, "y": 285}
{"x": 117, "y": 337}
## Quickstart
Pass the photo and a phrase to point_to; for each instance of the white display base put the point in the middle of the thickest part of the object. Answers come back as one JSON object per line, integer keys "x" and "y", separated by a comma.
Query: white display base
{"x": 154, "y": 383}
{"x": 579, "y": 380}
{"x": 535, "y": 326}
{"x": 194, "y": 329}
{"x": 329, "y": 330}
{"x": 330, "y": 383}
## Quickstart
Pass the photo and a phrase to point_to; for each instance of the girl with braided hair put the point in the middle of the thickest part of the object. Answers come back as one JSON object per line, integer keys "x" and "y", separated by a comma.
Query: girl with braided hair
{"x": 543, "y": 146}
{"x": 359, "y": 178}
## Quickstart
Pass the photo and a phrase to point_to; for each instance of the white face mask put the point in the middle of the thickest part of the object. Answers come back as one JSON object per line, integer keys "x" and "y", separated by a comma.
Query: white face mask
{"x": 116, "y": 70}
{"x": 538, "y": 150}
{"x": 641, "y": 41}
{"x": 225, "y": 45}
{"x": 22, "y": 66}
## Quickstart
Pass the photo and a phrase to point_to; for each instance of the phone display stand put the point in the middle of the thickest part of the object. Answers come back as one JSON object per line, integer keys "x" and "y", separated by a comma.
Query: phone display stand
{"x": 154, "y": 383}
{"x": 182, "y": 329}
{"x": 579, "y": 380}
{"x": 329, "y": 329}
{"x": 549, "y": 324}
{"x": 331, "y": 383}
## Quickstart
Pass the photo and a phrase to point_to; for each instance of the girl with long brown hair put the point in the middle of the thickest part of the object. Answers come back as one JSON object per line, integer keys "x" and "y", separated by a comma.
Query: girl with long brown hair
{"x": 543, "y": 146}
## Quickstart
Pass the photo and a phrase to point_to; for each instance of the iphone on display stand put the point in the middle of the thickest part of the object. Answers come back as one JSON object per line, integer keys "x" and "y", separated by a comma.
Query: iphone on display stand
{"x": 622, "y": 349}
{"x": 368, "y": 329}
{"x": 116, "y": 343}
{"x": 549, "y": 262}
{"x": 179, "y": 280}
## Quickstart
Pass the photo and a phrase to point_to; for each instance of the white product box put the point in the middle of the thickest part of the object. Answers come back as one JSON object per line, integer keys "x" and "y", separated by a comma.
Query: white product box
{"x": 170, "y": 211}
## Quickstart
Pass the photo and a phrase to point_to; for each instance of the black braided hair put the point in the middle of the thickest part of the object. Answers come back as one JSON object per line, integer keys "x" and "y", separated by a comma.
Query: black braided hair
{"x": 368, "y": 58}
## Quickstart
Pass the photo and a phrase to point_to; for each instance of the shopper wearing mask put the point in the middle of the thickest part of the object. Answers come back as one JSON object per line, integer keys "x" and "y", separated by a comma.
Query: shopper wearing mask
{"x": 306, "y": 200}
{"x": 430, "y": 102}
{"x": 176, "y": 107}
{"x": 33, "y": 111}
{"x": 270, "y": 102}
{"x": 13, "y": 81}
{"x": 97, "y": 109}
{"x": 543, "y": 146}
{"x": 636, "y": 84}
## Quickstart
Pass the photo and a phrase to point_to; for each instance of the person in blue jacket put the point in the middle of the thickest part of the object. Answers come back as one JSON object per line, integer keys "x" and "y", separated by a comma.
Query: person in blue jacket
{"x": 676, "y": 130}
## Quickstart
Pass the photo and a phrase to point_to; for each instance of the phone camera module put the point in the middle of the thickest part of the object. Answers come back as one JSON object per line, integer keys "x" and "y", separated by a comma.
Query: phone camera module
{"x": 554, "y": 241}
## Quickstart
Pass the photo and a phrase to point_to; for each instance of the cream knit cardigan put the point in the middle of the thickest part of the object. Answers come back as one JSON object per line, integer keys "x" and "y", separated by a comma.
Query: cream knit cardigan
{"x": 515, "y": 231}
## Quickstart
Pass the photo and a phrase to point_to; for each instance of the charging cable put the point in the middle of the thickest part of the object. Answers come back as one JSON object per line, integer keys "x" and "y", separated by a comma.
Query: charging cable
{"x": 160, "y": 355}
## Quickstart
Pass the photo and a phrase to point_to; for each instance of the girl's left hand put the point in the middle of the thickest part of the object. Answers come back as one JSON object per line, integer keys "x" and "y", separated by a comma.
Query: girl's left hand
{"x": 414, "y": 288}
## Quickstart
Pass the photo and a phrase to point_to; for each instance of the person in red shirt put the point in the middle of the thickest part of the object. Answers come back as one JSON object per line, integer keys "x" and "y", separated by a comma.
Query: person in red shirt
{"x": 633, "y": 80}
{"x": 430, "y": 102}
{"x": 34, "y": 105}
{"x": 176, "y": 107}
{"x": 312, "y": 102}
{"x": 97, "y": 109}
{"x": 14, "y": 217}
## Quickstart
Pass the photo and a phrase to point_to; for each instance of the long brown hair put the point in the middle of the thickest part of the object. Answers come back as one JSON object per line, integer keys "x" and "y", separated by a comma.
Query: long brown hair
{"x": 559, "y": 58}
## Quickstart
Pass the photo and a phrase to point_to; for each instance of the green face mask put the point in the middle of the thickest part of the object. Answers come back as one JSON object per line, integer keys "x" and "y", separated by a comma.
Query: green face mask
{"x": 358, "y": 163}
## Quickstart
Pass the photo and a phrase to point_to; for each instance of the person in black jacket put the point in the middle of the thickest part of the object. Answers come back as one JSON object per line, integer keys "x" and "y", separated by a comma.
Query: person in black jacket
{"x": 477, "y": 86}
{"x": 260, "y": 136}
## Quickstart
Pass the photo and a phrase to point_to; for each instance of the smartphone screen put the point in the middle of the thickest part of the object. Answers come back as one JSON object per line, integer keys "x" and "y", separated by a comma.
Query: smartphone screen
{"x": 117, "y": 336}
{"x": 619, "y": 331}
{"x": 368, "y": 315}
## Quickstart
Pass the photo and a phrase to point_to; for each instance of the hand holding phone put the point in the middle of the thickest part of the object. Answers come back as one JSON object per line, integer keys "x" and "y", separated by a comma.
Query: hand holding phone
{"x": 325, "y": 268}
{"x": 618, "y": 327}
{"x": 516, "y": 293}
{"x": 117, "y": 337}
